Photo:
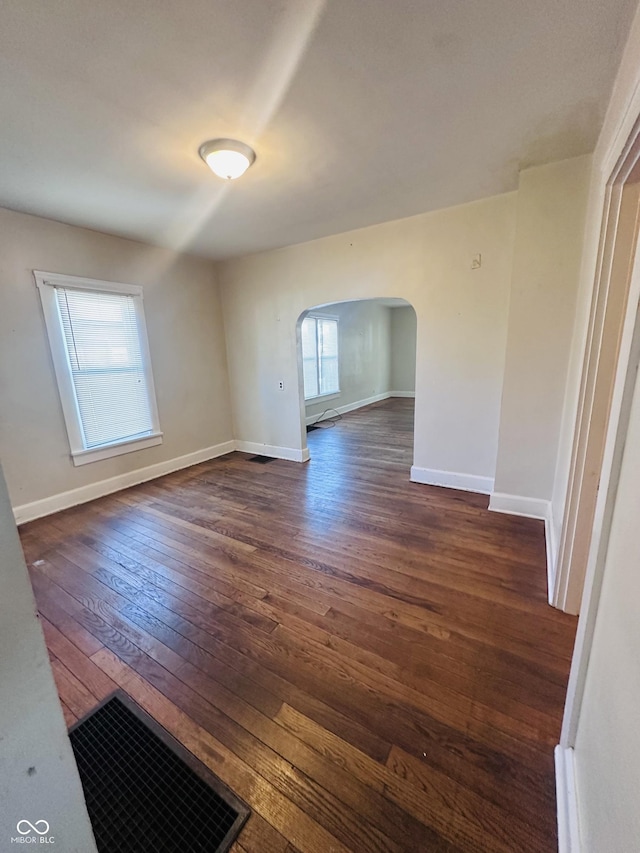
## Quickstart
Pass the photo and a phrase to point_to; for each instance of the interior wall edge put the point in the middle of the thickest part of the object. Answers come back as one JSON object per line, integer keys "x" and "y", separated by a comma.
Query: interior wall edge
{"x": 566, "y": 794}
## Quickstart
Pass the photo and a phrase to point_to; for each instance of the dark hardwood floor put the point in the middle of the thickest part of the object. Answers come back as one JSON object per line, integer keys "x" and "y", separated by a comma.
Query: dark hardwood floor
{"x": 371, "y": 664}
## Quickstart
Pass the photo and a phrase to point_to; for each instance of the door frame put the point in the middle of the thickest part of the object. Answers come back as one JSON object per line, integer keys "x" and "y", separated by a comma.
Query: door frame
{"x": 617, "y": 289}
{"x": 609, "y": 307}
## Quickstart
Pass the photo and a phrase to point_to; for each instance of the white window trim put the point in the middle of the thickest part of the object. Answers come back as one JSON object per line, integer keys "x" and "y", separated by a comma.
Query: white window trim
{"x": 330, "y": 394}
{"x": 46, "y": 283}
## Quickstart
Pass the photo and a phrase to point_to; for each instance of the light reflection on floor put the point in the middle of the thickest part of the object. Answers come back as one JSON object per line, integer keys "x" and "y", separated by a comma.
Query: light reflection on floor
{"x": 381, "y": 434}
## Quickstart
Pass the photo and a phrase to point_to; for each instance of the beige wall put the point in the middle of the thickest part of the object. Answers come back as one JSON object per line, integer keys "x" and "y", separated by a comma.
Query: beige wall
{"x": 186, "y": 340}
{"x": 364, "y": 346}
{"x": 593, "y": 217}
{"x": 461, "y": 325}
{"x": 33, "y": 733}
{"x": 403, "y": 350}
{"x": 546, "y": 266}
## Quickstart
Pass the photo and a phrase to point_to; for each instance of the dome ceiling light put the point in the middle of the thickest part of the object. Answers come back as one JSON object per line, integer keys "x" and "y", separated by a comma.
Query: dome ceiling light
{"x": 227, "y": 158}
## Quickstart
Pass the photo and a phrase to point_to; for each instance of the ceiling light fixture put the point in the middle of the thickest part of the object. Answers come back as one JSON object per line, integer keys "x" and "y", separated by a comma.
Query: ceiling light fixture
{"x": 227, "y": 158}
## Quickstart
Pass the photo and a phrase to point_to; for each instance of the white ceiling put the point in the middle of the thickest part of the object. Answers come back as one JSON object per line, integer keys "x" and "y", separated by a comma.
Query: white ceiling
{"x": 360, "y": 111}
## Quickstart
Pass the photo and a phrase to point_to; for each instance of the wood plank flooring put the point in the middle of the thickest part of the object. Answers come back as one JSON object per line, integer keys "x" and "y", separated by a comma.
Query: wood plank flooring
{"x": 371, "y": 664}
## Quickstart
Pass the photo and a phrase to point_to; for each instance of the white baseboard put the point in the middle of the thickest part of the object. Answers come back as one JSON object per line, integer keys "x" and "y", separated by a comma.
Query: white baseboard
{"x": 291, "y": 454}
{"x": 359, "y": 404}
{"x": 349, "y": 407}
{"x": 64, "y": 500}
{"x": 517, "y": 505}
{"x": 452, "y": 480}
{"x": 552, "y": 554}
{"x": 567, "y": 801}
{"x": 531, "y": 508}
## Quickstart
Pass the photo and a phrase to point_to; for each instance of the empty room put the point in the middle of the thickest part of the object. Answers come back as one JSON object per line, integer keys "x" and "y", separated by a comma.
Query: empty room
{"x": 320, "y": 426}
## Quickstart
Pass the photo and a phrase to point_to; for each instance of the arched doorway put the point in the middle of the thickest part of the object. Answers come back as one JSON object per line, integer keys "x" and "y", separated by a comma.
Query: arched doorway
{"x": 358, "y": 355}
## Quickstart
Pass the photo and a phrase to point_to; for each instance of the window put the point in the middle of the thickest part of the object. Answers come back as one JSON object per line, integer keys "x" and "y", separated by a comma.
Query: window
{"x": 320, "y": 356}
{"x": 100, "y": 354}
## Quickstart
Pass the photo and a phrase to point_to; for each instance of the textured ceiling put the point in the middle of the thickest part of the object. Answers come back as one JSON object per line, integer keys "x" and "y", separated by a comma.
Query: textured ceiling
{"x": 360, "y": 111}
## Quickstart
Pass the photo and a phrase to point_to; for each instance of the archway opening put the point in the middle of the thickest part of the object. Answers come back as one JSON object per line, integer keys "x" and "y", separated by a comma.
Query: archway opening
{"x": 357, "y": 377}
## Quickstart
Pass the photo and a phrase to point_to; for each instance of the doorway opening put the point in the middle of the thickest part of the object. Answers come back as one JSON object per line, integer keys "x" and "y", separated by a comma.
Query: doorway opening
{"x": 357, "y": 375}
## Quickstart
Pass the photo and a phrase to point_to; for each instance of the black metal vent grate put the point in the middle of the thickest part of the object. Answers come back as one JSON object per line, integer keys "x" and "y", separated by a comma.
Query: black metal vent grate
{"x": 144, "y": 791}
{"x": 261, "y": 460}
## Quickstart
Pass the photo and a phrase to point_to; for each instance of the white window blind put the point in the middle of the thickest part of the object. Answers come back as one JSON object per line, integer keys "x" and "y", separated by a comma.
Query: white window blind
{"x": 100, "y": 353}
{"x": 320, "y": 356}
{"x": 107, "y": 369}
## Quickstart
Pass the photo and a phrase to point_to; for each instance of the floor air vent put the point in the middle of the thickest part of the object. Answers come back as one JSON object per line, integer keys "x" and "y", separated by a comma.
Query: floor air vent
{"x": 145, "y": 791}
{"x": 261, "y": 460}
